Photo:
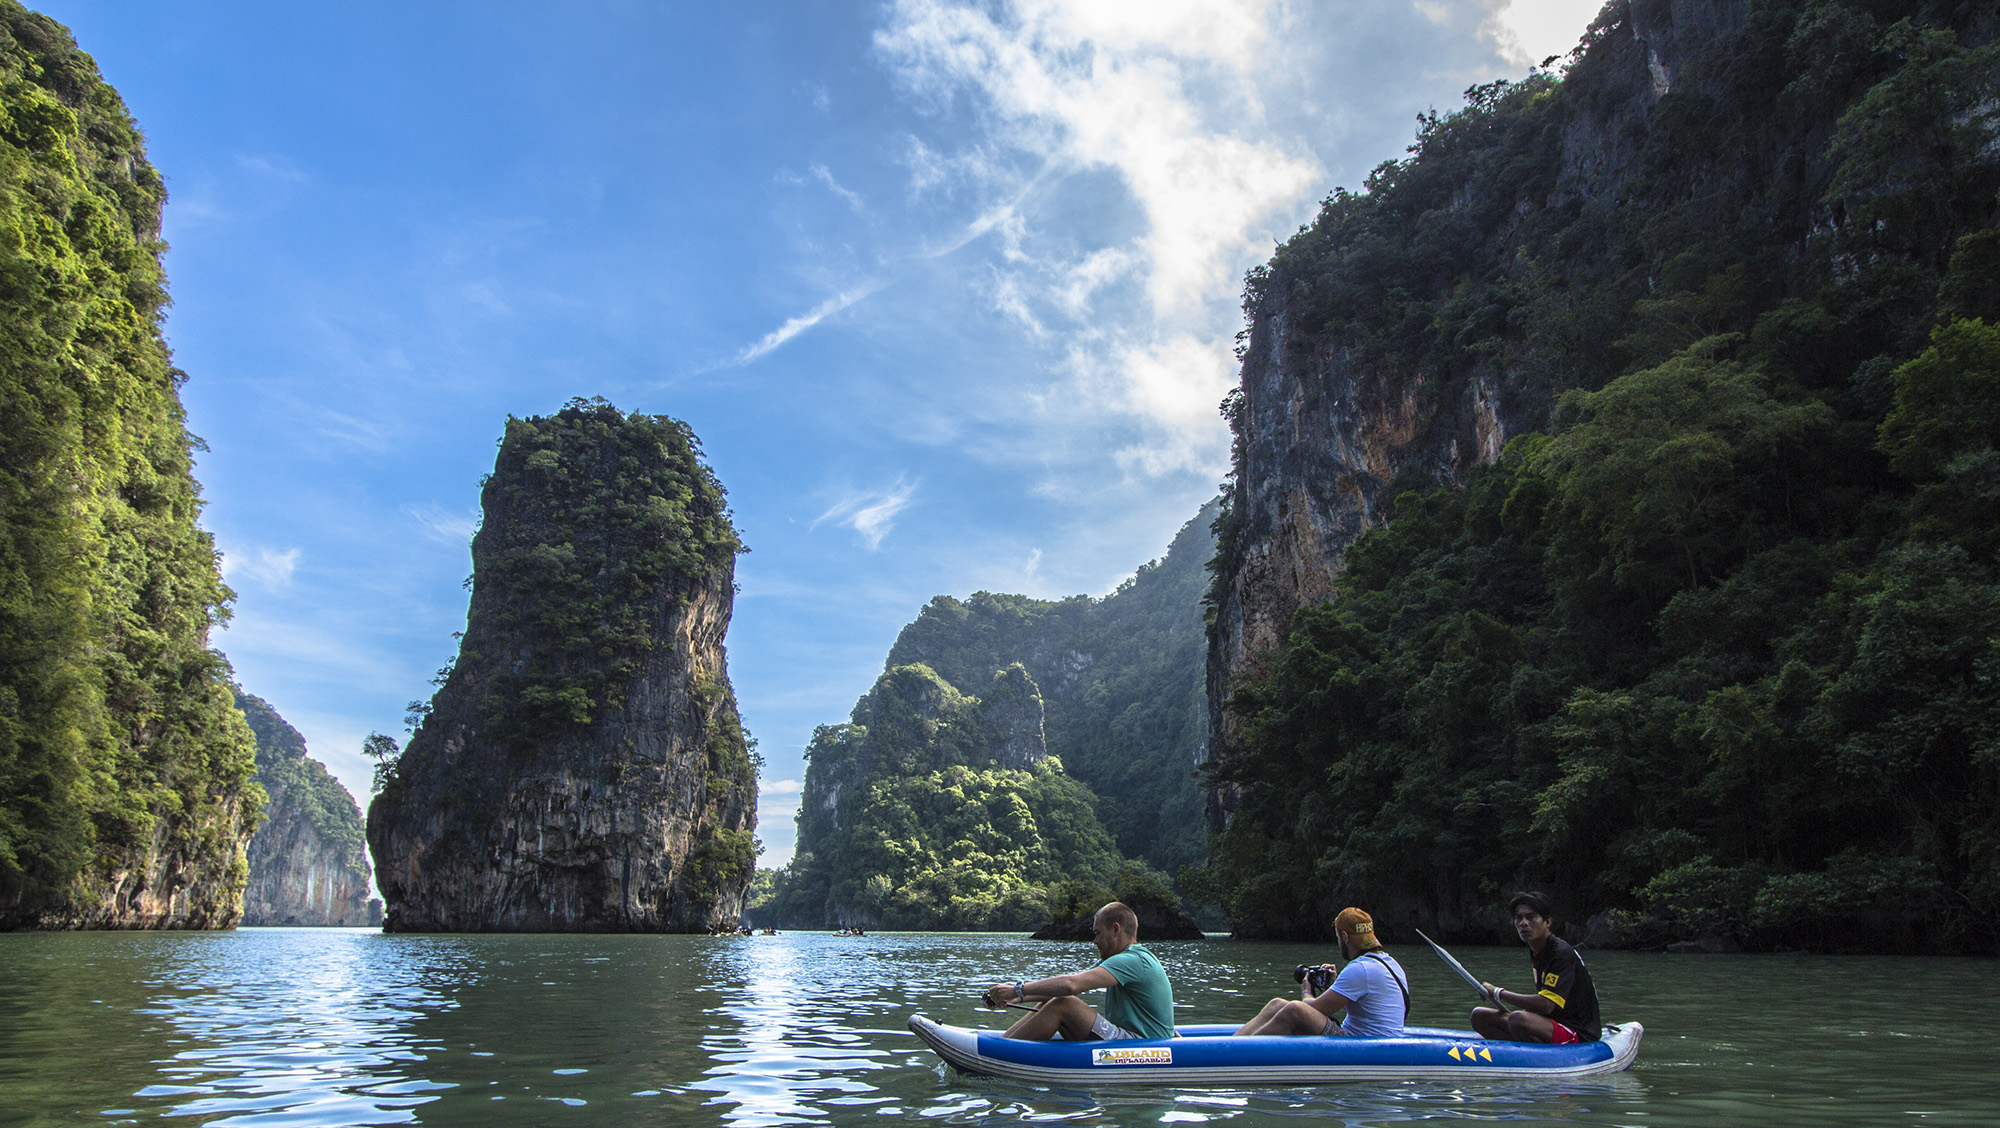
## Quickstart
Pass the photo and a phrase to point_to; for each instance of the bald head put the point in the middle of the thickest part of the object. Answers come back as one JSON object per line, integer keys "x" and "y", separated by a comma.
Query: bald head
{"x": 1118, "y": 915}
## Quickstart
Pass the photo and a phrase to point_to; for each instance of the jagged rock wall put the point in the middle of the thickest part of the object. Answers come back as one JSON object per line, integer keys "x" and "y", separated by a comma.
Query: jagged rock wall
{"x": 1325, "y": 428}
{"x": 308, "y": 862}
{"x": 582, "y": 767}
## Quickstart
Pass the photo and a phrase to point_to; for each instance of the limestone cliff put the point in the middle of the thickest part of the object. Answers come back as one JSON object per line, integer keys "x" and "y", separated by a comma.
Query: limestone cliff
{"x": 1696, "y": 170}
{"x": 309, "y": 861}
{"x": 1120, "y": 677}
{"x": 124, "y": 769}
{"x": 934, "y": 809}
{"x": 581, "y": 766}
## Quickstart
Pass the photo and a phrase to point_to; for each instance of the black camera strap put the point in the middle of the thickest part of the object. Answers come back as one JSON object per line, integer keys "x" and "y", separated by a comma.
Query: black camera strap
{"x": 1400, "y": 985}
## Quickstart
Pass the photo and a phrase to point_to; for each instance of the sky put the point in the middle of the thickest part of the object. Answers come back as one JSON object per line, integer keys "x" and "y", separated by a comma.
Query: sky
{"x": 948, "y": 290}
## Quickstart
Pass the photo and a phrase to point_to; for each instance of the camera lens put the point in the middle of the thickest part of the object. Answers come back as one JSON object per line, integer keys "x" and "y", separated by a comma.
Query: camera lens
{"x": 1300, "y": 972}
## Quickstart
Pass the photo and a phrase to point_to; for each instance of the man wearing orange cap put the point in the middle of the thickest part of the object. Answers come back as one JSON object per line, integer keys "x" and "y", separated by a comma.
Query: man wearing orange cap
{"x": 1372, "y": 989}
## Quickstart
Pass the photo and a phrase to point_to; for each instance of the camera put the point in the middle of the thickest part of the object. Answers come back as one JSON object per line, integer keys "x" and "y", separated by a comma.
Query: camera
{"x": 1320, "y": 977}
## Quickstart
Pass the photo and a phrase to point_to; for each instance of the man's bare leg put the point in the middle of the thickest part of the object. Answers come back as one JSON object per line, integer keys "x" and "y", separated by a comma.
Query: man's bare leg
{"x": 1287, "y": 1016}
{"x": 1068, "y": 1015}
{"x": 1517, "y": 1026}
{"x": 1264, "y": 1017}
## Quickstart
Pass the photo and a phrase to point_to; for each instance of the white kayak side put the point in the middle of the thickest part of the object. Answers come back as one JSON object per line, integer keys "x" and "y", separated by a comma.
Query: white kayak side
{"x": 1206, "y": 1057}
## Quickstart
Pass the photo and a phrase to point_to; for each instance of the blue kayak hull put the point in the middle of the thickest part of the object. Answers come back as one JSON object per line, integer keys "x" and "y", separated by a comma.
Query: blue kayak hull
{"x": 1205, "y": 1056}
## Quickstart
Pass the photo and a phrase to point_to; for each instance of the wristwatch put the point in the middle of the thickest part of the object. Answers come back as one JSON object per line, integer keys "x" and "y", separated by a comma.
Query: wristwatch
{"x": 1020, "y": 995}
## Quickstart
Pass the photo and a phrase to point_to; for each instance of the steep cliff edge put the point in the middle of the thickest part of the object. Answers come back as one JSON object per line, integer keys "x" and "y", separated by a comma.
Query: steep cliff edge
{"x": 1682, "y": 178}
{"x": 1614, "y": 498}
{"x": 309, "y": 861}
{"x": 125, "y": 797}
{"x": 581, "y": 767}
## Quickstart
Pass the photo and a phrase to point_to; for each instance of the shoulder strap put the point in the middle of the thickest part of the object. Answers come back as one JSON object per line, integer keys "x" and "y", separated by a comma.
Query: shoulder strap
{"x": 1400, "y": 985}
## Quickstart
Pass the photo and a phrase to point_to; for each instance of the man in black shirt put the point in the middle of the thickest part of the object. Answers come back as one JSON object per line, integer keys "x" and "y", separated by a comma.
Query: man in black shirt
{"x": 1563, "y": 1008}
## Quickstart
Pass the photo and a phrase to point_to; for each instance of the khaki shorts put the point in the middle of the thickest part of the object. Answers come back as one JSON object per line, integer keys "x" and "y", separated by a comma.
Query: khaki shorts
{"x": 1105, "y": 1029}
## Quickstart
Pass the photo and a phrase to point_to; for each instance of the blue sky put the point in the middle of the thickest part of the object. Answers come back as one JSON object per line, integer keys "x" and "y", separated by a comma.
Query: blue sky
{"x": 948, "y": 290}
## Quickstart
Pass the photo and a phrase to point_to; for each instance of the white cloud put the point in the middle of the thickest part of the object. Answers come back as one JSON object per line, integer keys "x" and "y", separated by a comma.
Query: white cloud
{"x": 1528, "y": 31}
{"x": 871, "y": 513}
{"x": 778, "y": 787}
{"x": 1178, "y": 384}
{"x": 803, "y": 322}
{"x": 271, "y": 569}
{"x": 1159, "y": 99}
{"x": 441, "y": 524}
{"x": 1098, "y": 83}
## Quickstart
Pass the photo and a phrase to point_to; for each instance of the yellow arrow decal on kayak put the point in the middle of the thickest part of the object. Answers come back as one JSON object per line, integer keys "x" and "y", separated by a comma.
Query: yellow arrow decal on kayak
{"x": 1486, "y": 1053}
{"x": 1454, "y": 1053}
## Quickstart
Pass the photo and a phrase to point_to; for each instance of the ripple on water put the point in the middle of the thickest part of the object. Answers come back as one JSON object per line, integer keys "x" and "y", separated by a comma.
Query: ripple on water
{"x": 317, "y": 1027}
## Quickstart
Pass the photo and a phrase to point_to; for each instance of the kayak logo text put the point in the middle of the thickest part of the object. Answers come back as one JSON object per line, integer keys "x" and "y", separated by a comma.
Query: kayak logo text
{"x": 1134, "y": 1055}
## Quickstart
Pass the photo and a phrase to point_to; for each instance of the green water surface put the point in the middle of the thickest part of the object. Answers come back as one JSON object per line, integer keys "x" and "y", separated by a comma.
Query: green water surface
{"x": 312, "y": 1027}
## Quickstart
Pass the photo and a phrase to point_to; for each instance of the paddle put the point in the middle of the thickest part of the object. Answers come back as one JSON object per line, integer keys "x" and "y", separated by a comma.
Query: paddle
{"x": 1460, "y": 969}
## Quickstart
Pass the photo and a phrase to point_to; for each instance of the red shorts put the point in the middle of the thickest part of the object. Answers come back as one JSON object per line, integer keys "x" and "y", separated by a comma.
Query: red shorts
{"x": 1562, "y": 1035}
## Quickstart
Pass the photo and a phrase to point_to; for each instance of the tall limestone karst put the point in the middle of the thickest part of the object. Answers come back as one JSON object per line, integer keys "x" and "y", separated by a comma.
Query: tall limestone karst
{"x": 309, "y": 861}
{"x": 1122, "y": 682}
{"x": 125, "y": 794}
{"x": 581, "y": 767}
{"x": 934, "y": 809}
{"x": 1613, "y": 499}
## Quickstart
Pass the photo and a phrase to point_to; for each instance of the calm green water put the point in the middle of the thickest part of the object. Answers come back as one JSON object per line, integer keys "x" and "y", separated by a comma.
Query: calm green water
{"x": 331, "y": 1027}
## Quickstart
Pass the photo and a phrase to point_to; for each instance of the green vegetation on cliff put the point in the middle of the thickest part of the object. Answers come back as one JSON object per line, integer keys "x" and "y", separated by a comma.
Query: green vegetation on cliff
{"x": 935, "y": 807}
{"x": 582, "y": 765}
{"x": 938, "y": 810}
{"x": 1121, "y": 679}
{"x": 1718, "y": 652}
{"x": 635, "y": 506}
{"x": 124, "y": 766}
{"x": 309, "y": 789}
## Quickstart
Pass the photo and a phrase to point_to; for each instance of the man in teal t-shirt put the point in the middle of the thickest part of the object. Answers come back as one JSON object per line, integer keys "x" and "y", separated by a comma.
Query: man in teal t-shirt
{"x": 1138, "y": 1000}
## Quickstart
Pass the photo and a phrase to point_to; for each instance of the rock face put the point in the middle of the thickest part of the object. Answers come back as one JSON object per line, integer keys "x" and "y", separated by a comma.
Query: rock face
{"x": 1329, "y": 425}
{"x": 308, "y": 862}
{"x": 581, "y": 767}
{"x": 124, "y": 769}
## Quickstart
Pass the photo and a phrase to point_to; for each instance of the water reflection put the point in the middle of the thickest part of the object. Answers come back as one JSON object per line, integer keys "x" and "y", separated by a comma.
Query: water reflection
{"x": 335, "y": 1027}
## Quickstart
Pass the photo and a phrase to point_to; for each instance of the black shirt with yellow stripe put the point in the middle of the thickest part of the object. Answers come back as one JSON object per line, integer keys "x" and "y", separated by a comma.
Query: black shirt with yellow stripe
{"x": 1561, "y": 978}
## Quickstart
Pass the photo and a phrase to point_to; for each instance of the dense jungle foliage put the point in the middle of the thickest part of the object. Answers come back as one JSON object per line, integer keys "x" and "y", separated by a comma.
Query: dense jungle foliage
{"x": 933, "y": 809}
{"x": 122, "y": 758}
{"x": 1717, "y": 654}
{"x": 283, "y": 768}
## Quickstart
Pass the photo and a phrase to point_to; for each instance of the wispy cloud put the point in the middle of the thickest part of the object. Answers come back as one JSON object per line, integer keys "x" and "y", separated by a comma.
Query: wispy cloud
{"x": 261, "y": 565}
{"x": 443, "y": 525}
{"x": 281, "y": 169}
{"x": 853, "y": 198}
{"x": 871, "y": 513}
{"x": 778, "y": 787}
{"x": 804, "y": 321}
{"x": 1164, "y": 97}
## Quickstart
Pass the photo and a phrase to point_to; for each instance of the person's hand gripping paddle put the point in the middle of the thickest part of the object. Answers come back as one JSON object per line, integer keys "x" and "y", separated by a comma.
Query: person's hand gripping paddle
{"x": 1464, "y": 974}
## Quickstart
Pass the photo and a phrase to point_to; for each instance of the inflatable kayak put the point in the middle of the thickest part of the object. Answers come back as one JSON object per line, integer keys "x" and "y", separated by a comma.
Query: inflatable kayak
{"x": 1208, "y": 1056}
